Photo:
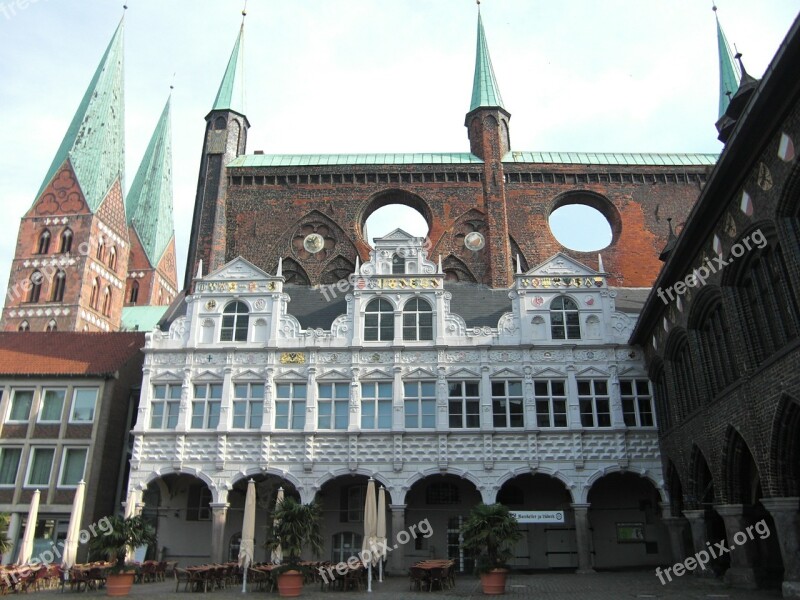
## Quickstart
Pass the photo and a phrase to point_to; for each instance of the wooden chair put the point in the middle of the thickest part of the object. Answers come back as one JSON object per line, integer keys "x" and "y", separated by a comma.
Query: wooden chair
{"x": 437, "y": 576}
{"x": 418, "y": 577}
{"x": 182, "y": 576}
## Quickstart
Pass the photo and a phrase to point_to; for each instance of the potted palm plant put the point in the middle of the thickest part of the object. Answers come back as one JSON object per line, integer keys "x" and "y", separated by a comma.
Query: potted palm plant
{"x": 123, "y": 534}
{"x": 4, "y": 545}
{"x": 489, "y": 531}
{"x": 294, "y": 526}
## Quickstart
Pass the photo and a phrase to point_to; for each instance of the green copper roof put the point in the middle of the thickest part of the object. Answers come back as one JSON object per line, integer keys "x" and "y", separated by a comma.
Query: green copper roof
{"x": 231, "y": 91}
{"x": 728, "y": 71}
{"x": 142, "y": 318}
{"x": 485, "y": 91}
{"x": 149, "y": 202}
{"x": 307, "y": 160}
{"x": 95, "y": 140}
{"x": 611, "y": 158}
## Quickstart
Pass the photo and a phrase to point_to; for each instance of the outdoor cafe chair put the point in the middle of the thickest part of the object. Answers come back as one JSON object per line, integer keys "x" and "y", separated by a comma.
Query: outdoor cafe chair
{"x": 418, "y": 577}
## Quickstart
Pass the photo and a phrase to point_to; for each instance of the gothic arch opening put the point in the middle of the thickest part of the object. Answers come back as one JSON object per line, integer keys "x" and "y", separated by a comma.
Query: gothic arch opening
{"x": 391, "y": 209}
{"x": 785, "y": 449}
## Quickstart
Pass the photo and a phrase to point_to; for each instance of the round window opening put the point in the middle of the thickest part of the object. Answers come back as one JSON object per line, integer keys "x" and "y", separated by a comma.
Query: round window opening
{"x": 580, "y": 227}
{"x": 393, "y": 216}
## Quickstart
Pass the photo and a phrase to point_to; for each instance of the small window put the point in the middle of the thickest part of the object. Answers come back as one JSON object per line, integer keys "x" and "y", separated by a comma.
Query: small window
{"x": 333, "y": 405}
{"x": 417, "y": 320}
{"x": 83, "y": 405}
{"x": 21, "y": 402}
{"x": 72, "y": 466}
{"x": 594, "y": 403}
{"x": 248, "y": 405}
{"x": 345, "y": 545}
{"x": 420, "y": 404}
{"x": 40, "y": 467}
{"x": 198, "y": 505}
{"x": 112, "y": 258}
{"x": 464, "y": 400}
{"x": 66, "y": 241}
{"x": 52, "y": 325}
{"x": 24, "y": 326}
{"x": 107, "y": 301}
{"x": 206, "y": 405}
{"x": 52, "y": 405}
{"x": 164, "y": 406}
{"x": 507, "y": 408}
{"x": 220, "y": 123}
{"x": 235, "y": 321}
{"x": 551, "y": 402}
{"x": 353, "y": 499}
{"x": 36, "y": 286}
{"x": 44, "y": 243}
{"x": 376, "y": 405}
{"x": 379, "y": 321}
{"x": 133, "y": 297}
{"x": 95, "y": 293}
{"x": 564, "y": 319}
{"x": 59, "y": 284}
{"x": 101, "y": 249}
{"x": 442, "y": 493}
{"x": 9, "y": 465}
{"x": 290, "y": 406}
{"x": 398, "y": 265}
{"x": 637, "y": 402}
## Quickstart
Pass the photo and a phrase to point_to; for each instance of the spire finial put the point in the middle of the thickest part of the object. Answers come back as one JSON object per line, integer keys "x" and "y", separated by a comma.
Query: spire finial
{"x": 244, "y": 11}
{"x": 714, "y": 6}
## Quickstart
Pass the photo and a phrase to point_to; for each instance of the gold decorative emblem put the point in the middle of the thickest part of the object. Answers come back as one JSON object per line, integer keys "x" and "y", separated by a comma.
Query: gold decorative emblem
{"x": 764, "y": 177}
{"x": 474, "y": 241}
{"x": 313, "y": 243}
{"x": 211, "y": 305}
{"x": 293, "y": 358}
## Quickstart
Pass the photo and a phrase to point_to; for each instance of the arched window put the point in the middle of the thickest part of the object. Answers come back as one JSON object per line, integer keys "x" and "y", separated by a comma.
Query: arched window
{"x": 101, "y": 249}
{"x": 44, "y": 243}
{"x": 417, "y": 320}
{"x": 66, "y": 241}
{"x": 379, "y": 321}
{"x": 107, "y": 301}
{"x": 220, "y": 123}
{"x": 112, "y": 258}
{"x": 51, "y": 325}
{"x": 24, "y": 326}
{"x": 235, "y": 321}
{"x": 95, "y": 292}
{"x": 398, "y": 265}
{"x": 708, "y": 321}
{"x": 683, "y": 375}
{"x": 564, "y": 320}
{"x": 59, "y": 284}
{"x": 36, "y": 286}
{"x": 134, "y": 293}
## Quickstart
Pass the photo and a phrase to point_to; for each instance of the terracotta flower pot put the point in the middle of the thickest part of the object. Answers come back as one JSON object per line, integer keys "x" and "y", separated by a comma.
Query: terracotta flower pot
{"x": 494, "y": 581}
{"x": 119, "y": 584}
{"x": 290, "y": 584}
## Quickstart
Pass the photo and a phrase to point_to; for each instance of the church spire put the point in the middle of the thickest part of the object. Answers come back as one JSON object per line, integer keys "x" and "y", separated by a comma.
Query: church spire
{"x": 485, "y": 91}
{"x": 149, "y": 202}
{"x": 95, "y": 140}
{"x": 231, "y": 91}
{"x": 729, "y": 74}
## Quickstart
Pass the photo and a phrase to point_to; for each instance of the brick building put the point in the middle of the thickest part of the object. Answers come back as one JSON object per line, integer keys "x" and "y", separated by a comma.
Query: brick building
{"x": 85, "y": 250}
{"x": 722, "y": 352}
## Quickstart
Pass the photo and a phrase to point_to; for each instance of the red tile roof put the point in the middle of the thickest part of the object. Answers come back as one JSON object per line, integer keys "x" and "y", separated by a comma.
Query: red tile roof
{"x": 66, "y": 353}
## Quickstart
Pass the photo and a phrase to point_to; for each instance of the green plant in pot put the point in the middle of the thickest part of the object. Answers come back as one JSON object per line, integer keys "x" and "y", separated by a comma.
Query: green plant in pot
{"x": 489, "y": 531}
{"x": 122, "y": 534}
{"x": 295, "y": 526}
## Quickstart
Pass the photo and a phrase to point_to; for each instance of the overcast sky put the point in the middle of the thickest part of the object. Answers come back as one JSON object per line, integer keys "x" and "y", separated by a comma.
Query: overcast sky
{"x": 328, "y": 76}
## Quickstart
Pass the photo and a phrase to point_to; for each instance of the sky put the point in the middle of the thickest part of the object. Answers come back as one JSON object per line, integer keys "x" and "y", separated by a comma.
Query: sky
{"x": 336, "y": 76}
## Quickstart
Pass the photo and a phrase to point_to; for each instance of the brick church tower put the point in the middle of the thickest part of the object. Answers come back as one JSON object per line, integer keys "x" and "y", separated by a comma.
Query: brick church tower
{"x": 74, "y": 246}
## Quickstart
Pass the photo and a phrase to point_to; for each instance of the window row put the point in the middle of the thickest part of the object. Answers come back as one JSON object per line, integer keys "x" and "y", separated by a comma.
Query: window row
{"x": 64, "y": 245}
{"x": 58, "y": 284}
{"x": 39, "y": 470}
{"x": 50, "y": 408}
{"x": 24, "y": 325}
{"x": 419, "y": 404}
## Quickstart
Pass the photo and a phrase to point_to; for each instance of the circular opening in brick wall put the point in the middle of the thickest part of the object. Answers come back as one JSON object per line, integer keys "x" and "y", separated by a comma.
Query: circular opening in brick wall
{"x": 584, "y": 222}
{"x": 388, "y": 218}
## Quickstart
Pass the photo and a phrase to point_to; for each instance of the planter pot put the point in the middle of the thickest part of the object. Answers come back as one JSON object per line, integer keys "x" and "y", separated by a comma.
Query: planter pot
{"x": 119, "y": 584}
{"x": 290, "y": 584}
{"x": 494, "y": 581}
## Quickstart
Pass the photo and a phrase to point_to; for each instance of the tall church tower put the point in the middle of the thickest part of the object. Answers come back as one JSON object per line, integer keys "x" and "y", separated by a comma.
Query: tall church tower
{"x": 226, "y": 138}
{"x": 71, "y": 259}
{"x": 487, "y": 127}
{"x": 152, "y": 271}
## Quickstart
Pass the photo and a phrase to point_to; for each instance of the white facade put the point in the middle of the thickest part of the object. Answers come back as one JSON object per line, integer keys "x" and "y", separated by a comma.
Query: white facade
{"x": 397, "y": 407}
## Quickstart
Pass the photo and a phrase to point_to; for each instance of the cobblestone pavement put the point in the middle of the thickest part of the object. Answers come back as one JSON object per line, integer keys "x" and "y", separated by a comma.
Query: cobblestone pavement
{"x": 548, "y": 586}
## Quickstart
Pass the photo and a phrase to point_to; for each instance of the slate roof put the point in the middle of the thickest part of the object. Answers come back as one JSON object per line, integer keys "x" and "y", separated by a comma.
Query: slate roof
{"x": 66, "y": 352}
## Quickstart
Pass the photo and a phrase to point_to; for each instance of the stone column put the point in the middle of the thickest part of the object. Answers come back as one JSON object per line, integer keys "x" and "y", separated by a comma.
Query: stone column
{"x": 584, "y": 537}
{"x": 784, "y": 513}
{"x": 219, "y": 512}
{"x": 697, "y": 523}
{"x": 742, "y": 572}
{"x": 396, "y": 559}
{"x": 675, "y": 528}
{"x": 14, "y": 523}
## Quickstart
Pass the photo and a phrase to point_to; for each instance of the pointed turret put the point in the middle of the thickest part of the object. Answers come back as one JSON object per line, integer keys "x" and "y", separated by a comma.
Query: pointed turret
{"x": 95, "y": 140}
{"x": 728, "y": 70}
{"x": 226, "y": 138}
{"x": 485, "y": 91}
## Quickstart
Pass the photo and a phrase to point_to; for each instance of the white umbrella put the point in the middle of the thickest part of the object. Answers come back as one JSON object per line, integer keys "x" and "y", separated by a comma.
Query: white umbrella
{"x": 74, "y": 529}
{"x": 131, "y": 510}
{"x": 247, "y": 545}
{"x": 381, "y": 530}
{"x": 276, "y": 557}
{"x": 26, "y": 546}
{"x": 370, "y": 529}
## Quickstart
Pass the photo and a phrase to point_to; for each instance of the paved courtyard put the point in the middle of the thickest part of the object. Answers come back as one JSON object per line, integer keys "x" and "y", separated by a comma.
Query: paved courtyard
{"x": 549, "y": 586}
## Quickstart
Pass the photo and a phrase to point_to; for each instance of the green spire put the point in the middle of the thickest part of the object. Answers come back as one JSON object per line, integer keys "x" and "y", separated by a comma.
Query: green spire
{"x": 729, "y": 75}
{"x": 231, "y": 91}
{"x": 149, "y": 202}
{"x": 95, "y": 140}
{"x": 485, "y": 91}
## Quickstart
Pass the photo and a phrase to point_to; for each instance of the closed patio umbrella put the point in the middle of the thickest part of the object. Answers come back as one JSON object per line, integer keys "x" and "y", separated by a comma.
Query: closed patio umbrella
{"x": 276, "y": 556}
{"x": 74, "y": 529}
{"x": 247, "y": 546}
{"x": 381, "y": 531}
{"x": 370, "y": 528}
{"x": 26, "y": 546}
{"x": 131, "y": 510}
